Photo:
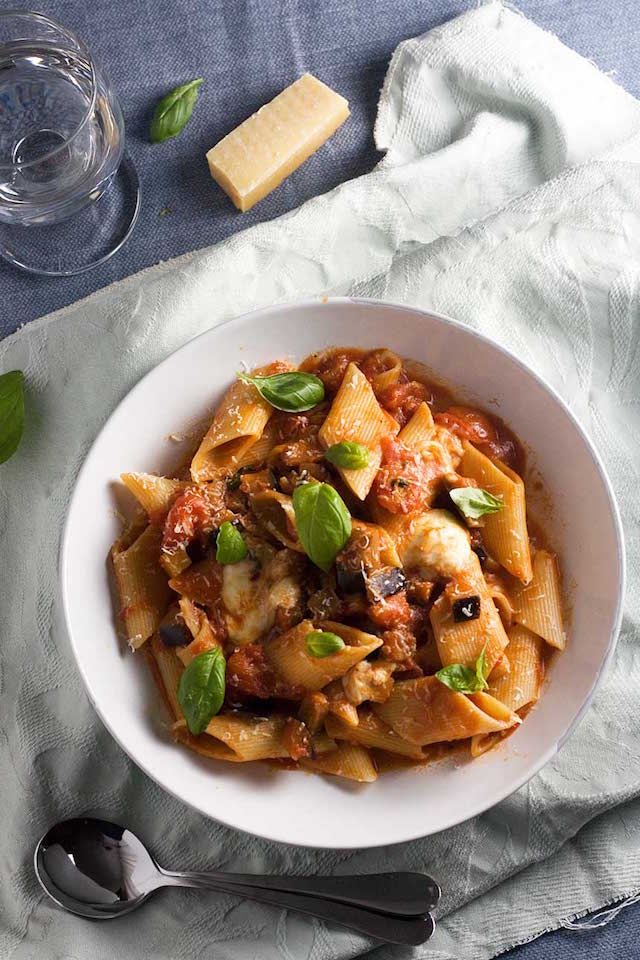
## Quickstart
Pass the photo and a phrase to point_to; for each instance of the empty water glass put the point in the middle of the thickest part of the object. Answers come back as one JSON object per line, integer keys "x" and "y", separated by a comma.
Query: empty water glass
{"x": 68, "y": 197}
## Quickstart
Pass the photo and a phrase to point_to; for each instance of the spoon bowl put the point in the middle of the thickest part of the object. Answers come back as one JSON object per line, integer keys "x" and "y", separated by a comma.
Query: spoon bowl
{"x": 95, "y": 869}
{"x": 100, "y": 870}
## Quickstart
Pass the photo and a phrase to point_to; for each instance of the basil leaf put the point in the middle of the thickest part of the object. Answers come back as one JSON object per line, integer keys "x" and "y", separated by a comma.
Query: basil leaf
{"x": 11, "y": 412}
{"x": 173, "y": 111}
{"x": 348, "y": 455}
{"x": 201, "y": 689}
{"x": 230, "y": 545}
{"x": 463, "y": 679}
{"x": 292, "y": 392}
{"x": 323, "y": 644}
{"x": 474, "y": 503}
{"x": 459, "y": 678}
{"x": 322, "y": 521}
{"x": 481, "y": 669}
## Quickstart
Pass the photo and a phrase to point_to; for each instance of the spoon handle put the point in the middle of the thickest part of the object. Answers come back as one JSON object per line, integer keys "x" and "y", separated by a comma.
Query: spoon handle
{"x": 399, "y": 894}
{"x": 391, "y": 929}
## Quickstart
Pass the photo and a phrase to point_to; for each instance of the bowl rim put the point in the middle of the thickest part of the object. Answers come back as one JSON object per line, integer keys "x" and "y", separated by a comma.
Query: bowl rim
{"x": 276, "y": 834}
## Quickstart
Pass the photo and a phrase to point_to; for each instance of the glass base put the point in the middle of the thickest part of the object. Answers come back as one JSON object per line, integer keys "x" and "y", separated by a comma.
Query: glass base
{"x": 84, "y": 240}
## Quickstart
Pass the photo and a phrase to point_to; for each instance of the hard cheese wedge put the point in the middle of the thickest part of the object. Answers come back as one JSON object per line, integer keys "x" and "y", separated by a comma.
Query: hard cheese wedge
{"x": 255, "y": 157}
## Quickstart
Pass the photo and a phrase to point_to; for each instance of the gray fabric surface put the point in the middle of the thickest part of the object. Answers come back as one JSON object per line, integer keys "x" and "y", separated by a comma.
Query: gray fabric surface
{"x": 247, "y": 51}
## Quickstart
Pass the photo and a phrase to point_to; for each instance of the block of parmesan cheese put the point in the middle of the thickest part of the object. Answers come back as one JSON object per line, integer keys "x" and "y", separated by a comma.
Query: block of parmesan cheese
{"x": 255, "y": 157}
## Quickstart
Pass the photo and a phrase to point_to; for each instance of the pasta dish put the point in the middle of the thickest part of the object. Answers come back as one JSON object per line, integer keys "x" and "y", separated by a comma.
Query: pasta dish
{"x": 342, "y": 578}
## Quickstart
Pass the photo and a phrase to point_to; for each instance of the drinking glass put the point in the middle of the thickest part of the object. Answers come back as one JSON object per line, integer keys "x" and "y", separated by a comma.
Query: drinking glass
{"x": 69, "y": 197}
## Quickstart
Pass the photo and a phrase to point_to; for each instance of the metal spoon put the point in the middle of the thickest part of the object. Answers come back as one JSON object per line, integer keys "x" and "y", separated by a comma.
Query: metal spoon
{"x": 100, "y": 870}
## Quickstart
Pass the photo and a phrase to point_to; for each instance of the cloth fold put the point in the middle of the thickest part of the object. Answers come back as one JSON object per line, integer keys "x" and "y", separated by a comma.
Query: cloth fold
{"x": 509, "y": 197}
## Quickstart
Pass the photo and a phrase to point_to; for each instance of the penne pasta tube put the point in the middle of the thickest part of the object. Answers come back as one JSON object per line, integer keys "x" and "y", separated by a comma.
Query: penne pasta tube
{"x": 237, "y": 425}
{"x": 391, "y": 373}
{"x": 463, "y": 641}
{"x": 373, "y": 733}
{"x": 154, "y": 494}
{"x": 349, "y": 761}
{"x": 203, "y": 640}
{"x": 425, "y": 711}
{"x": 168, "y": 671}
{"x": 274, "y": 511}
{"x": 257, "y": 453}
{"x": 483, "y": 742}
{"x": 538, "y": 604}
{"x": 191, "y": 615}
{"x": 418, "y": 432}
{"x": 142, "y": 586}
{"x": 292, "y": 661}
{"x": 356, "y": 416}
{"x": 504, "y": 533}
{"x": 521, "y": 686}
{"x": 250, "y": 738}
{"x": 175, "y": 562}
{"x": 204, "y": 745}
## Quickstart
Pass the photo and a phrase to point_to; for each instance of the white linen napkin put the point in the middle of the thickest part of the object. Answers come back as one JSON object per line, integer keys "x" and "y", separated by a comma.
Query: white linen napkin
{"x": 509, "y": 197}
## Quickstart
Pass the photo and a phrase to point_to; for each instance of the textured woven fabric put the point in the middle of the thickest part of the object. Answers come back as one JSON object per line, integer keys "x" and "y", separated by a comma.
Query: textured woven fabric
{"x": 510, "y": 198}
{"x": 247, "y": 51}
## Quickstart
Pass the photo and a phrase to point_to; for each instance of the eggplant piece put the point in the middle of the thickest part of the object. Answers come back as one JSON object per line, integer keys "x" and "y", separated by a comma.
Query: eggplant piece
{"x": 480, "y": 553}
{"x": 350, "y": 579}
{"x": 174, "y": 635}
{"x": 197, "y": 549}
{"x": 466, "y": 609}
{"x": 385, "y": 582}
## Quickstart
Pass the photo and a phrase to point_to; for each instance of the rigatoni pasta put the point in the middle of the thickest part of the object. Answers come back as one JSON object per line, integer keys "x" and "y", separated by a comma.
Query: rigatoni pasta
{"x": 345, "y": 581}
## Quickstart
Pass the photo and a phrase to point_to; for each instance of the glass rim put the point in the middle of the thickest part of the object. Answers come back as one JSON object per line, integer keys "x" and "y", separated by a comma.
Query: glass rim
{"x": 64, "y": 31}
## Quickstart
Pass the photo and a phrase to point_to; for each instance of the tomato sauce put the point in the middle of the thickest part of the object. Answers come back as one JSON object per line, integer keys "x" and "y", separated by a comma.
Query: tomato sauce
{"x": 487, "y": 433}
{"x": 402, "y": 399}
{"x": 404, "y": 481}
{"x": 250, "y": 674}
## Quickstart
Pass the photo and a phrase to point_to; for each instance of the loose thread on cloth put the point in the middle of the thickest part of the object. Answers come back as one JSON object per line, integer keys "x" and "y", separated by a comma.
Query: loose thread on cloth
{"x": 602, "y": 918}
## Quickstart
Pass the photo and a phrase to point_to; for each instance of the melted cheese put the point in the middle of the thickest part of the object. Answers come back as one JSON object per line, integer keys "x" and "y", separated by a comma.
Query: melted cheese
{"x": 250, "y": 603}
{"x": 436, "y": 545}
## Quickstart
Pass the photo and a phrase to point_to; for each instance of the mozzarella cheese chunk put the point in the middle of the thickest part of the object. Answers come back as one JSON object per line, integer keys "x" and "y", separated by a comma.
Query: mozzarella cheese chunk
{"x": 250, "y": 602}
{"x": 436, "y": 545}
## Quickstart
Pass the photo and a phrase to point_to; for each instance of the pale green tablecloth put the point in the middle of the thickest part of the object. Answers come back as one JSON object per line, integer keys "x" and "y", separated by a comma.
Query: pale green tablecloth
{"x": 509, "y": 197}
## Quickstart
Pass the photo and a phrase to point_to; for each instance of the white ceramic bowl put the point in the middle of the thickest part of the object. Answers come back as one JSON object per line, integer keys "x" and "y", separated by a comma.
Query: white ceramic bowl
{"x": 294, "y": 807}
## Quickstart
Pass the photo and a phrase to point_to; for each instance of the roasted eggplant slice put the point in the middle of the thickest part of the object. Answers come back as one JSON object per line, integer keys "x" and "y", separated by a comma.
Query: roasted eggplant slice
{"x": 349, "y": 579}
{"x": 466, "y": 609}
{"x": 385, "y": 582}
{"x": 174, "y": 634}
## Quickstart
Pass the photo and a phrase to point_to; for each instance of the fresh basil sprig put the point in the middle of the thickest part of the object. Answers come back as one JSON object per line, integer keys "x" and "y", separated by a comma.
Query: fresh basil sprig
{"x": 230, "y": 545}
{"x": 174, "y": 111}
{"x": 463, "y": 679}
{"x": 292, "y": 392}
{"x": 474, "y": 503}
{"x": 11, "y": 412}
{"x": 348, "y": 455}
{"x": 322, "y": 521}
{"x": 321, "y": 643}
{"x": 201, "y": 689}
